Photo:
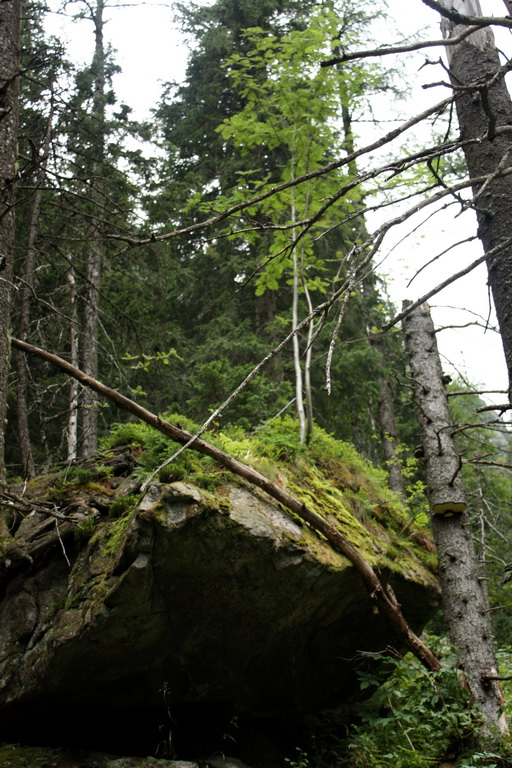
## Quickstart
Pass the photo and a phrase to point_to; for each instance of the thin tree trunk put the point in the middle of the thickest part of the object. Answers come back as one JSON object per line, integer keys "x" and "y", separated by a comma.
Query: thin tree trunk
{"x": 89, "y": 405}
{"x": 10, "y": 15}
{"x": 72, "y": 432}
{"x": 95, "y": 253}
{"x": 481, "y": 109}
{"x": 465, "y": 600}
{"x": 27, "y": 289}
{"x": 299, "y": 396}
{"x": 307, "y": 367}
{"x": 383, "y": 598}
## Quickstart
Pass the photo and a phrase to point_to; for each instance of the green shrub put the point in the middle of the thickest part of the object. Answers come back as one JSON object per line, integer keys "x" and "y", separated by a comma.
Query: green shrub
{"x": 416, "y": 717}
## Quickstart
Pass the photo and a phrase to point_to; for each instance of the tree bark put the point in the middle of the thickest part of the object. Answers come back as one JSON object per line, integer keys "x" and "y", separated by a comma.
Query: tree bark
{"x": 72, "y": 431}
{"x": 382, "y": 597}
{"x": 89, "y": 405}
{"x": 10, "y": 15}
{"x": 465, "y": 599}
{"x": 484, "y": 104}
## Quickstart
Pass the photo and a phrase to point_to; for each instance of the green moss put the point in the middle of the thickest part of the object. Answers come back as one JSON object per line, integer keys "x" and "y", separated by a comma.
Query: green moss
{"x": 84, "y": 530}
{"x": 122, "y": 505}
{"x": 328, "y": 475}
{"x": 115, "y": 533}
{"x": 126, "y": 434}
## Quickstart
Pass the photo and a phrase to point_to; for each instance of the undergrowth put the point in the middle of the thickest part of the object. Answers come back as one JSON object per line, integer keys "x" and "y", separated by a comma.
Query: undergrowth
{"x": 417, "y": 718}
{"x": 413, "y": 718}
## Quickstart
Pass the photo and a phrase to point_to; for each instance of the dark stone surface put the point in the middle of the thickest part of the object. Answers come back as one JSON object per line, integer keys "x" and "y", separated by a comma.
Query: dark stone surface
{"x": 221, "y": 602}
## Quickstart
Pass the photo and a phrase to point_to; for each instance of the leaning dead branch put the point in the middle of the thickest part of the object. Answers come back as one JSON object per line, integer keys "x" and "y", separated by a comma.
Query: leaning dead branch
{"x": 382, "y": 597}
{"x": 24, "y": 507}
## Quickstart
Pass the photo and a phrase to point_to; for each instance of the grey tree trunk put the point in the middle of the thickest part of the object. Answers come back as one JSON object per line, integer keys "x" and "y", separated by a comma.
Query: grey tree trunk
{"x": 10, "y": 15}
{"x": 465, "y": 599}
{"x": 72, "y": 431}
{"x": 481, "y": 110}
{"x": 89, "y": 404}
{"x": 95, "y": 253}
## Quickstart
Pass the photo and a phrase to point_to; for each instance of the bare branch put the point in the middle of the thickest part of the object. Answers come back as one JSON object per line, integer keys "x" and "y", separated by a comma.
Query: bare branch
{"x": 502, "y": 408}
{"x": 472, "y": 21}
{"x": 212, "y": 220}
{"x": 479, "y": 392}
{"x": 445, "y": 283}
{"x": 385, "y": 50}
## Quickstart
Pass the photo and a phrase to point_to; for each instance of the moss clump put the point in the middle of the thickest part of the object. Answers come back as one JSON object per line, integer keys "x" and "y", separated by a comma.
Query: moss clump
{"x": 156, "y": 448}
{"x": 123, "y": 505}
{"x": 115, "y": 533}
{"x": 327, "y": 474}
{"x": 84, "y": 530}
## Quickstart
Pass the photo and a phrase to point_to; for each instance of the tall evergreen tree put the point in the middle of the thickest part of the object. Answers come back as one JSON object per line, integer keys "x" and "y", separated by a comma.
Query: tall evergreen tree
{"x": 70, "y": 194}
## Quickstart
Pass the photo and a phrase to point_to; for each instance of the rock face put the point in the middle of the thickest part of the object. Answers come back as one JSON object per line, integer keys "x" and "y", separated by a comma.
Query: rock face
{"x": 193, "y": 597}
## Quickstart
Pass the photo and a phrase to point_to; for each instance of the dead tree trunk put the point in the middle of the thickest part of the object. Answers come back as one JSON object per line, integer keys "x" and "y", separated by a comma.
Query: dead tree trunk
{"x": 484, "y": 107}
{"x": 465, "y": 600}
{"x": 94, "y": 263}
{"x": 10, "y": 15}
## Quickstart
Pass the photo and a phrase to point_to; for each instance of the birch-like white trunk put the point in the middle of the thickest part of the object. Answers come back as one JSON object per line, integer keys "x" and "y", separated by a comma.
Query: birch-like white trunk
{"x": 299, "y": 392}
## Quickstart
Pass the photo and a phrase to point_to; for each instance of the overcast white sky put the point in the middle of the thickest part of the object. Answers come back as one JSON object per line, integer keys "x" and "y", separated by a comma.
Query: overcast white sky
{"x": 151, "y": 51}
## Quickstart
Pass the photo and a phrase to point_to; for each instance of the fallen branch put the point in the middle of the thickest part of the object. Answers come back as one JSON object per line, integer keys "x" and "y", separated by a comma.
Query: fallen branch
{"x": 384, "y": 601}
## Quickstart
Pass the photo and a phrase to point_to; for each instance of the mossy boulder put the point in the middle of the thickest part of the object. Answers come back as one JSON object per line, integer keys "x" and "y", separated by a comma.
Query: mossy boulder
{"x": 190, "y": 596}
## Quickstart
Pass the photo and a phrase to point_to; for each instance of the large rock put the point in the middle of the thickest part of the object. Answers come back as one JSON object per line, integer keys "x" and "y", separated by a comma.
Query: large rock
{"x": 195, "y": 597}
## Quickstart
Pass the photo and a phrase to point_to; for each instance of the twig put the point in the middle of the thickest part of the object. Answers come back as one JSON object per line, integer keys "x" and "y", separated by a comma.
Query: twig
{"x": 62, "y": 543}
{"x": 501, "y": 407}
